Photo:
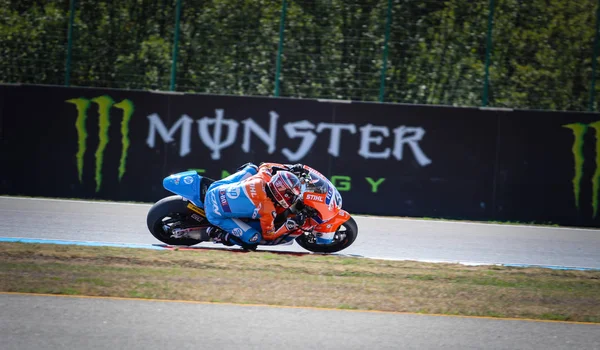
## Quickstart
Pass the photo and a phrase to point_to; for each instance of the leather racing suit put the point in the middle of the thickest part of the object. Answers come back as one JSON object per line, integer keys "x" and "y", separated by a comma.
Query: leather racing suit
{"x": 243, "y": 195}
{"x": 324, "y": 234}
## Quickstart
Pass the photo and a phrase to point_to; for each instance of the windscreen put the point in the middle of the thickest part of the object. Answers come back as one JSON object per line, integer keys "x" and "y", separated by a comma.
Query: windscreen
{"x": 320, "y": 184}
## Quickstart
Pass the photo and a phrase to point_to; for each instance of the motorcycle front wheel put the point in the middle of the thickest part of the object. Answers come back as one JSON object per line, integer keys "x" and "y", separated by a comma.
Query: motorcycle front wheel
{"x": 344, "y": 237}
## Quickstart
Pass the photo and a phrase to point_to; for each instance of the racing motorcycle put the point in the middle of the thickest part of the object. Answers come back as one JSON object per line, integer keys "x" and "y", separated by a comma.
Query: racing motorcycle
{"x": 180, "y": 220}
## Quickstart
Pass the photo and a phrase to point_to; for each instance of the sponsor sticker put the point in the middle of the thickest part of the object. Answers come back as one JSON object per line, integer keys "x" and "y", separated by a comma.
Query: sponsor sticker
{"x": 252, "y": 189}
{"x": 197, "y": 217}
{"x": 291, "y": 225}
{"x": 330, "y": 200}
{"x": 215, "y": 205}
{"x": 254, "y": 238}
{"x": 329, "y": 195}
{"x": 237, "y": 232}
{"x": 256, "y": 210}
{"x": 338, "y": 199}
{"x": 176, "y": 180}
{"x": 233, "y": 192}
{"x": 223, "y": 200}
{"x": 195, "y": 209}
{"x": 188, "y": 180}
{"x": 314, "y": 197}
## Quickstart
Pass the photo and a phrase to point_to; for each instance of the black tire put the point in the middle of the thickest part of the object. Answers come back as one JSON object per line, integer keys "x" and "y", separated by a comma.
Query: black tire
{"x": 169, "y": 207}
{"x": 350, "y": 231}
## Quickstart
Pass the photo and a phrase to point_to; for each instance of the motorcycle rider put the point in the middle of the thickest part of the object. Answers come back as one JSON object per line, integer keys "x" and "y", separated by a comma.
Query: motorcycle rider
{"x": 252, "y": 192}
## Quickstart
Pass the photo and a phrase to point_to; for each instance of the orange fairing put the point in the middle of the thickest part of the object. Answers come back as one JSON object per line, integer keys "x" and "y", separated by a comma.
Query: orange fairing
{"x": 318, "y": 201}
{"x": 333, "y": 224}
{"x": 320, "y": 194}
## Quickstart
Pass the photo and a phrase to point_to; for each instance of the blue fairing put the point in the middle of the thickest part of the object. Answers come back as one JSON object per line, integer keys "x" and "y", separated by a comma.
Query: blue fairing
{"x": 185, "y": 184}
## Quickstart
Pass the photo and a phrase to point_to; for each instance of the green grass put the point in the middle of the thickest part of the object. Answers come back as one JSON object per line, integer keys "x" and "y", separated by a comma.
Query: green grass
{"x": 310, "y": 280}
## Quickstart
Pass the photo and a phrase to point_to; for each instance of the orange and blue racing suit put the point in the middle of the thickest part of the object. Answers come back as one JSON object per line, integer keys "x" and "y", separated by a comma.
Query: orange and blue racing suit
{"x": 325, "y": 232}
{"x": 243, "y": 195}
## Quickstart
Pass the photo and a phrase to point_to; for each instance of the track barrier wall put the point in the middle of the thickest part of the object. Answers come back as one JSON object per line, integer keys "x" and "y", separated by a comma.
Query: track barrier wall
{"x": 386, "y": 159}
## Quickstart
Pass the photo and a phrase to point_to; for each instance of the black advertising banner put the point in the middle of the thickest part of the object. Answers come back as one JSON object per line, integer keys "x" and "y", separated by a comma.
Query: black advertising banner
{"x": 417, "y": 160}
{"x": 119, "y": 145}
{"x": 386, "y": 159}
{"x": 403, "y": 161}
{"x": 217, "y": 134}
{"x": 82, "y": 143}
{"x": 549, "y": 168}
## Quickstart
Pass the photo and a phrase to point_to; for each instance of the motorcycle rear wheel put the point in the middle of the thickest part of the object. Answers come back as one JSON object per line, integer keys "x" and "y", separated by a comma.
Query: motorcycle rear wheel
{"x": 344, "y": 237}
{"x": 170, "y": 210}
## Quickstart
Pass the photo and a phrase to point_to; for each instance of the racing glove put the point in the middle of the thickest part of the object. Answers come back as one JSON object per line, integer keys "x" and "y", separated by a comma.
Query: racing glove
{"x": 295, "y": 222}
{"x": 300, "y": 218}
{"x": 302, "y": 173}
{"x": 298, "y": 169}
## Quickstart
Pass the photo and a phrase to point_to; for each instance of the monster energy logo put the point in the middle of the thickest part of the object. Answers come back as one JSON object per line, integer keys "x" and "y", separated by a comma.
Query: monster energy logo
{"x": 105, "y": 103}
{"x": 579, "y": 131}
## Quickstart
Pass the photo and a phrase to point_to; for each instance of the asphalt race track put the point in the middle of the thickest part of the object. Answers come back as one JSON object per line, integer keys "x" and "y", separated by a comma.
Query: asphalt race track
{"x": 54, "y": 322}
{"x": 389, "y": 238}
{"x": 51, "y": 322}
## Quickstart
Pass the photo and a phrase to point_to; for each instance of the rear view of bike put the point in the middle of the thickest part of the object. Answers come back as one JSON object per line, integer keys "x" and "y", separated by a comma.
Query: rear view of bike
{"x": 180, "y": 219}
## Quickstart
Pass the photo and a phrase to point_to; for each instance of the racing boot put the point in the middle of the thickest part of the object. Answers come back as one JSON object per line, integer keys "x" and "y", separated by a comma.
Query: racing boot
{"x": 218, "y": 235}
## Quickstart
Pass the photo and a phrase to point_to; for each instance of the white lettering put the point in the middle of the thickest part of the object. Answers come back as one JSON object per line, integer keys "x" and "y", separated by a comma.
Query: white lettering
{"x": 313, "y": 197}
{"x": 269, "y": 139}
{"x": 219, "y": 133}
{"x": 366, "y": 140}
{"x": 413, "y": 143}
{"x": 215, "y": 206}
{"x": 294, "y": 130}
{"x": 336, "y": 131}
{"x": 156, "y": 125}
{"x": 256, "y": 211}
{"x": 233, "y": 192}
{"x": 215, "y": 143}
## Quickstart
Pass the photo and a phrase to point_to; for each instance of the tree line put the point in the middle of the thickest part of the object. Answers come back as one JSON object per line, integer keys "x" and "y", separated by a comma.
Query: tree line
{"x": 541, "y": 53}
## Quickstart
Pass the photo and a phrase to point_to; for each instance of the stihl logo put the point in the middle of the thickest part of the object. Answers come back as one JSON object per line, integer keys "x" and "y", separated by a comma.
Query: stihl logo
{"x": 313, "y": 197}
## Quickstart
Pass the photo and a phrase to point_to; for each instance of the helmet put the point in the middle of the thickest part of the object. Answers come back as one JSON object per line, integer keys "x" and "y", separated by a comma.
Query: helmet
{"x": 285, "y": 187}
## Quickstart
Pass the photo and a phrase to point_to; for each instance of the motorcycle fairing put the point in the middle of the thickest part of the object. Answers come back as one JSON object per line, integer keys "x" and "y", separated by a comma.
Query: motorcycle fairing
{"x": 333, "y": 224}
{"x": 185, "y": 184}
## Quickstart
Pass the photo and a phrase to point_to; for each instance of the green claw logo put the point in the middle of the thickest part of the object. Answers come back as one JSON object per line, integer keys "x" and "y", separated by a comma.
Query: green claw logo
{"x": 105, "y": 103}
{"x": 579, "y": 131}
